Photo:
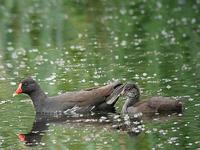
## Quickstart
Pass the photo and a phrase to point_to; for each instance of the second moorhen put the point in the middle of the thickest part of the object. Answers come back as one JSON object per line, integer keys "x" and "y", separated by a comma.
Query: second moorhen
{"x": 149, "y": 107}
{"x": 93, "y": 99}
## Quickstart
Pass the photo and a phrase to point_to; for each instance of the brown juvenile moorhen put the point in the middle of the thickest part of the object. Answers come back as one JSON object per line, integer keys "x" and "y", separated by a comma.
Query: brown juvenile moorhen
{"x": 93, "y": 99}
{"x": 149, "y": 107}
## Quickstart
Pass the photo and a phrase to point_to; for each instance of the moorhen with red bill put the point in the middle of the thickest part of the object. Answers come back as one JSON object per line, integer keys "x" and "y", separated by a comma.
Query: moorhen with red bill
{"x": 148, "y": 107}
{"x": 93, "y": 99}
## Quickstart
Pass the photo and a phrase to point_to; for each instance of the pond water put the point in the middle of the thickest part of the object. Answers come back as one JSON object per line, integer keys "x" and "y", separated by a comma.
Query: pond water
{"x": 72, "y": 45}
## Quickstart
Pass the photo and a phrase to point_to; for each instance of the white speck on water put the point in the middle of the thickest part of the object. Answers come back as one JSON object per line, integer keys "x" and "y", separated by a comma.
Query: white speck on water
{"x": 155, "y": 129}
{"x": 187, "y": 137}
{"x": 159, "y": 17}
{"x": 2, "y": 102}
{"x": 83, "y": 81}
{"x": 193, "y": 21}
{"x": 9, "y": 65}
{"x": 184, "y": 85}
{"x": 42, "y": 143}
{"x": 27, "y": 30}
{"x": 80, "y": 35}
{"x": 177, "y": 144}
{"x": 116, "y": 38}
{"x": 48, "y": 45}
{"x": 125, "y": 57}
{"x": 96, "y": 84}
{"x": 88, "y": 139}
{"x": 136, "y": 76}
{"x": 14, "y": 55}
{"x": 175, "y": 79}
{"x": 116, "y": 116}
{"x": 105, "y": 142}
{"x": 190, "y": 99}
{"x": 51, "y": 83}
{"x": 175, "y": 123}
{"x": 50, "y": 78}
{"x": 60, "y": 62}
{"x": 136, "y": 43}
{"x": 142, "y": 11}
{"x": 10, "y": 30}
{"x": 16, "y": 73}
{"x": 54, "y": 141}
{"x": 83, "y": 60}
{"x": 173, "y": 40}
{"x": 10, "y": 43}
{"x": 172, "y": 140}
{"x": 12, "y": 83}
{"x": 123, "y": 43}
{"x": 168, "y": 87}
{"x": 184, "y": 20}
{"x": 22, "y": 64}
{"x": 123, "y": 11}
{"x": 164, "y": 33}
{"x": 148, "y": 131}
{"x": 144, "y": 74}
{"x": 116, "y": 57}
{"x": 116, "y": 45}
{"x": 2, "y": 78}
{"x": 159, "y": 5}
{"x": 163, "y": 132}
{"x": 39, "y": 60}
{"x": 34, "y": 50}
{"x": 10, "y": 48}
{"x": 180, "y": 115}
{"x": 184, "y": 35}
{"x": 72, "y": 47}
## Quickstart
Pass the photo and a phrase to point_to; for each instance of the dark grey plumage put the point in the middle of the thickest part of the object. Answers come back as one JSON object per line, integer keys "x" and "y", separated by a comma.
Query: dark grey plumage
{"x": 93, "y": 99}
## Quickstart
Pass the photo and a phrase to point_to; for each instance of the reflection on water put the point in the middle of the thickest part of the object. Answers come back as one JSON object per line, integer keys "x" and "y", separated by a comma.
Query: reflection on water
{"x": 109, "y": 122}
{"x": 72, "y": 45}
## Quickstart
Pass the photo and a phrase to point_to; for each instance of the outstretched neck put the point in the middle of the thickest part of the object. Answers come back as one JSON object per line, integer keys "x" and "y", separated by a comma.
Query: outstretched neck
{"x": 130, "y": 101}
{"x": 38, "y": 97}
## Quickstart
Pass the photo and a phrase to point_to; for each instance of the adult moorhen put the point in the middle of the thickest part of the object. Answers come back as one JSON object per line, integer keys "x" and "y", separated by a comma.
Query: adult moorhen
{"x": 93, "y": 99}
{"x": 148, "y": 107}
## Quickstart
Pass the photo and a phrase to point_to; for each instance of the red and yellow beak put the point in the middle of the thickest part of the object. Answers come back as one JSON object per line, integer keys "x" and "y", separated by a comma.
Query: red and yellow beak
{"x": 19, "y": 90}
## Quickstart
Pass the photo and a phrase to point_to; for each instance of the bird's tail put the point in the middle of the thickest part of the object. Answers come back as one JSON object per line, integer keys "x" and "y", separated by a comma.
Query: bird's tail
{"x": 172, "y": 106}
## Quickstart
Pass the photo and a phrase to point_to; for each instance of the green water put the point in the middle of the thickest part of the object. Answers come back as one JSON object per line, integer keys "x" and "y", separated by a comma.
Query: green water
{"x": 72, "y": 45}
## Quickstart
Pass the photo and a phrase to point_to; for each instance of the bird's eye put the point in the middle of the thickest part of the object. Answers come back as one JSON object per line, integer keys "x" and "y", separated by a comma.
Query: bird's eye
{"x": 25, "y": 83}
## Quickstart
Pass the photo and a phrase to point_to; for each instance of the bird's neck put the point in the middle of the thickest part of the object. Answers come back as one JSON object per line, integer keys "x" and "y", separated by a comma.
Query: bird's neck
{"x": 38, "y": 97}
{"x": 130, "y": 101}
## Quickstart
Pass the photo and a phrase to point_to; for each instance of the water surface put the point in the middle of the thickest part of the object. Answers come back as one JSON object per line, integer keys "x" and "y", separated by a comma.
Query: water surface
{"x": 72, "y": 45}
